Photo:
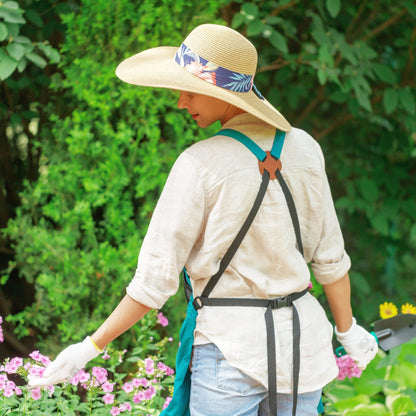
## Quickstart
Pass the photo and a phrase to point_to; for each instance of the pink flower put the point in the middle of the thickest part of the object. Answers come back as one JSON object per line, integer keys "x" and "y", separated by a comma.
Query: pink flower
{"x": 162, "y": 320}
{"x": 37, "y": 356}
{"x": 128, "y": 387}
{"x": 310, "y": 285}
{"x": 1, "y": 330}
{"x": 106, "y": 356}
{"x": 100, "y": 374}
{"x": 149, "y": 366}
{"x": 108, "y": 398}
{"x": 18, "y": 391}
{"x": 81, "y": 377}
{"x": 139, "y": 397}
{"x": 347, "y": 367}
{"x": 35, "y": 394}
{"x": 8, "y": 392}
{"x": 36, "y": 371}
{"x": 163, "y": 367}
{"x": 115, "y": 411}
{"x": 167, "y": 401}
{"x": 125, "y": 406}
{"x": 13, "y": 365}
{"x": 149, "y": 393}
{"x": 108, "y": 387}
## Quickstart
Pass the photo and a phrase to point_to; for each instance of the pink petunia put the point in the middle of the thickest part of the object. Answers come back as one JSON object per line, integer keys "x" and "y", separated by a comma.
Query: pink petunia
{"x": 108, "y": 387}
{"x": 167, "y": 401}
{"x": 37, "y": 356}
{"x": 81, "y": 377}
{"x": 128, "y": 387}
{"x": 108, "y": 398}
{"x": 13, "y": 365}
{"x": 149, "y": 393}
{"x": 139, "y": 397}
{"x": 115, "y": 411}
{"x": 149, "y": 366}
{"x": 126, "y": 406}
{"x": 100, "y": 374}
{"x": 35, "y": 394}
{"x": 162, "y": 320}
{"x": 36, "y": 371}
{"x": 347, "y": 367}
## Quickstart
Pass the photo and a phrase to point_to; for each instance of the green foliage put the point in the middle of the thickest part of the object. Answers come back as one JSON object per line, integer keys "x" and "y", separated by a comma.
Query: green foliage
{"x": 344, "y": 71}
{"x": 93, "y": 153}
{"x": 103, "y": 165}
{"x": 139, "y": 382}
{"x": 386, "y": 387}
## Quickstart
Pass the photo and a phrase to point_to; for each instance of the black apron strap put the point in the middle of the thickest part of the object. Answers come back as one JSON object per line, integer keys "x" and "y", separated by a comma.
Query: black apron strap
{"x": 269, "y": 304}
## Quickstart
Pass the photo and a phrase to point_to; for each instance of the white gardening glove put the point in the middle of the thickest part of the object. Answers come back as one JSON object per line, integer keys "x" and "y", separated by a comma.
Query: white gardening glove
{"x": 67, "y": 364}
{"x": 359, "y": 344}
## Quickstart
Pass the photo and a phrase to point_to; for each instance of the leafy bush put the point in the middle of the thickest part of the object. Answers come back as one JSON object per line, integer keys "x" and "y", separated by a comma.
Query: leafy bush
{"x": 112, "y": 384}
{"x": 103, "y": 165}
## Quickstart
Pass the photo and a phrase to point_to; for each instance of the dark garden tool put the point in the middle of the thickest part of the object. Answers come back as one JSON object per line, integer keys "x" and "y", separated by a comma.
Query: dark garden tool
{"x": 391, "y": 332}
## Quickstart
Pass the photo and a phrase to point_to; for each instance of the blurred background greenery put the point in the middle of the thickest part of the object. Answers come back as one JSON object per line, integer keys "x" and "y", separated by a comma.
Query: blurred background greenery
{"x": 83, "y": 156}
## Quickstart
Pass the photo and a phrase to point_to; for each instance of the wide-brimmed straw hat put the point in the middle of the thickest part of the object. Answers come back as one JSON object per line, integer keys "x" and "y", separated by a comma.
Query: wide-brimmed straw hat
{"x": 213, "y": 60}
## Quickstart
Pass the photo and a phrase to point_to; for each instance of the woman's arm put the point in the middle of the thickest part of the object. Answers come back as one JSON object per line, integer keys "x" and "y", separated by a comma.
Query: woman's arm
{"x": 124, "y": 316}
{"x": 339, "y": 299}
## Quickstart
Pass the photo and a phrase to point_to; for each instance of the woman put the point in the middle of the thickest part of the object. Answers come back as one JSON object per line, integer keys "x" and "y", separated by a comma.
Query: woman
{"x": 207, "y": 197}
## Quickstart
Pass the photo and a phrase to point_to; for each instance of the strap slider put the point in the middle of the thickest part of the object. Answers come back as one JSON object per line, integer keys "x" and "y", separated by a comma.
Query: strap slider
{"x": 278, "y": 303}
{"x": 197, "y": 303}
{"x": 271, "y": 164}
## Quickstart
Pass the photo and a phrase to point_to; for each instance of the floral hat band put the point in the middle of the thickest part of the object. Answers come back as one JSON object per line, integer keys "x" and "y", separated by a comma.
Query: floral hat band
{"x": 216, "y": 54}
{"x": 211, "y": 72}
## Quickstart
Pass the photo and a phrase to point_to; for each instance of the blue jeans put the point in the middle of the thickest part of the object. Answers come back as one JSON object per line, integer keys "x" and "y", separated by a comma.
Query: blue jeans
{"x": 218, "y": 389}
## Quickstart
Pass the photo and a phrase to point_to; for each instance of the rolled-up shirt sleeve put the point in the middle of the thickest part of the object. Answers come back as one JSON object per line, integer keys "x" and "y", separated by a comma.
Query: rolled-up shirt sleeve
{"x": 175, "y": 225}
{"x": 330, "y": 261}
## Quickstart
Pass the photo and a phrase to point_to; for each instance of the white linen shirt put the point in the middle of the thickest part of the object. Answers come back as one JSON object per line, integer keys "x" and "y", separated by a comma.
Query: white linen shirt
{"x": 206, "y": 198}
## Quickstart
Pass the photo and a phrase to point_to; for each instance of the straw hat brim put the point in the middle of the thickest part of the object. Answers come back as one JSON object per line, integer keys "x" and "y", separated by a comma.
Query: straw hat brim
{"x": 156, "y": 67}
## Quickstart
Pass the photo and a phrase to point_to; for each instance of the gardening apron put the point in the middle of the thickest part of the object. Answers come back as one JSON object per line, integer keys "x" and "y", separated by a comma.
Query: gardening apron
{"x": 270, "y": 166}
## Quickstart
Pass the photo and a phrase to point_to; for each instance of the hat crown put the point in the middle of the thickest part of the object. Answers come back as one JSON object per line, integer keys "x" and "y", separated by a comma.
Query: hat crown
{"x": 224, "y": 47}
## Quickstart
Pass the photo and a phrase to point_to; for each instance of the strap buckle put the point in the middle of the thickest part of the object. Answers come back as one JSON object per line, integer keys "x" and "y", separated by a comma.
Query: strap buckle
{"x": 278, "y": 303}
{"x": 197, "y": 303}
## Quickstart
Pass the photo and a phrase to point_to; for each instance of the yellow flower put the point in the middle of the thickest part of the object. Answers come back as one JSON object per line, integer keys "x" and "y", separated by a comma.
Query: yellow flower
{"x": 408, "y": 308}
{"x": 388, "y": 310}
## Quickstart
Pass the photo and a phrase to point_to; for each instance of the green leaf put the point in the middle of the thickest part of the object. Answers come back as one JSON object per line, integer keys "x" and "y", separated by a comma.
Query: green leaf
{"x": 369, "y": 189}
{"x": 325, "y": 56}
{"x": 250, "y": 10}
{"x": 255, "y": 27}
{"x": 36, "y": 59}
{"x": 334, "y": 7}
{"x": 413, "y": 234}
{"x": 384, "y": 73}
{"x": 15, "y": 50}
{"x": 3, "y": 31}
{"x": 7, "y": 65}
{"x": 51, "y": 53}
{"x": 238, "y": 20}
{"x": 11, "y": 15}
{"x": 21, "y": 66}
{"x": 11, "y": 5}
{"x": 390, "y": 100}
{"x": 363, "y": 98}
{"x": 367, "y": 410}
{"x": 278, "y": 41}
{"x": 400, "y": 404}
{"x": 407, "y": 100}
{"x": 322, "y": 76}
{"x": 34, "y": 17}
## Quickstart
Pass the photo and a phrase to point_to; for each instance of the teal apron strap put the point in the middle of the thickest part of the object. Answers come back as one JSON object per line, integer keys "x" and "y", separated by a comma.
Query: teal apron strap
{"x": 179, "y": 405}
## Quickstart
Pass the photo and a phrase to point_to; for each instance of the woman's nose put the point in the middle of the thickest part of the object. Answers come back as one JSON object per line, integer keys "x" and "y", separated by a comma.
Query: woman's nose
{"x": 182, "y": 102}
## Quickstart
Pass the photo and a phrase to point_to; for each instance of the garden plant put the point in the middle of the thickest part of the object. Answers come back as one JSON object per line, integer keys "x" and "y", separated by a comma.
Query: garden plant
{"x": 83, "y": 159}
